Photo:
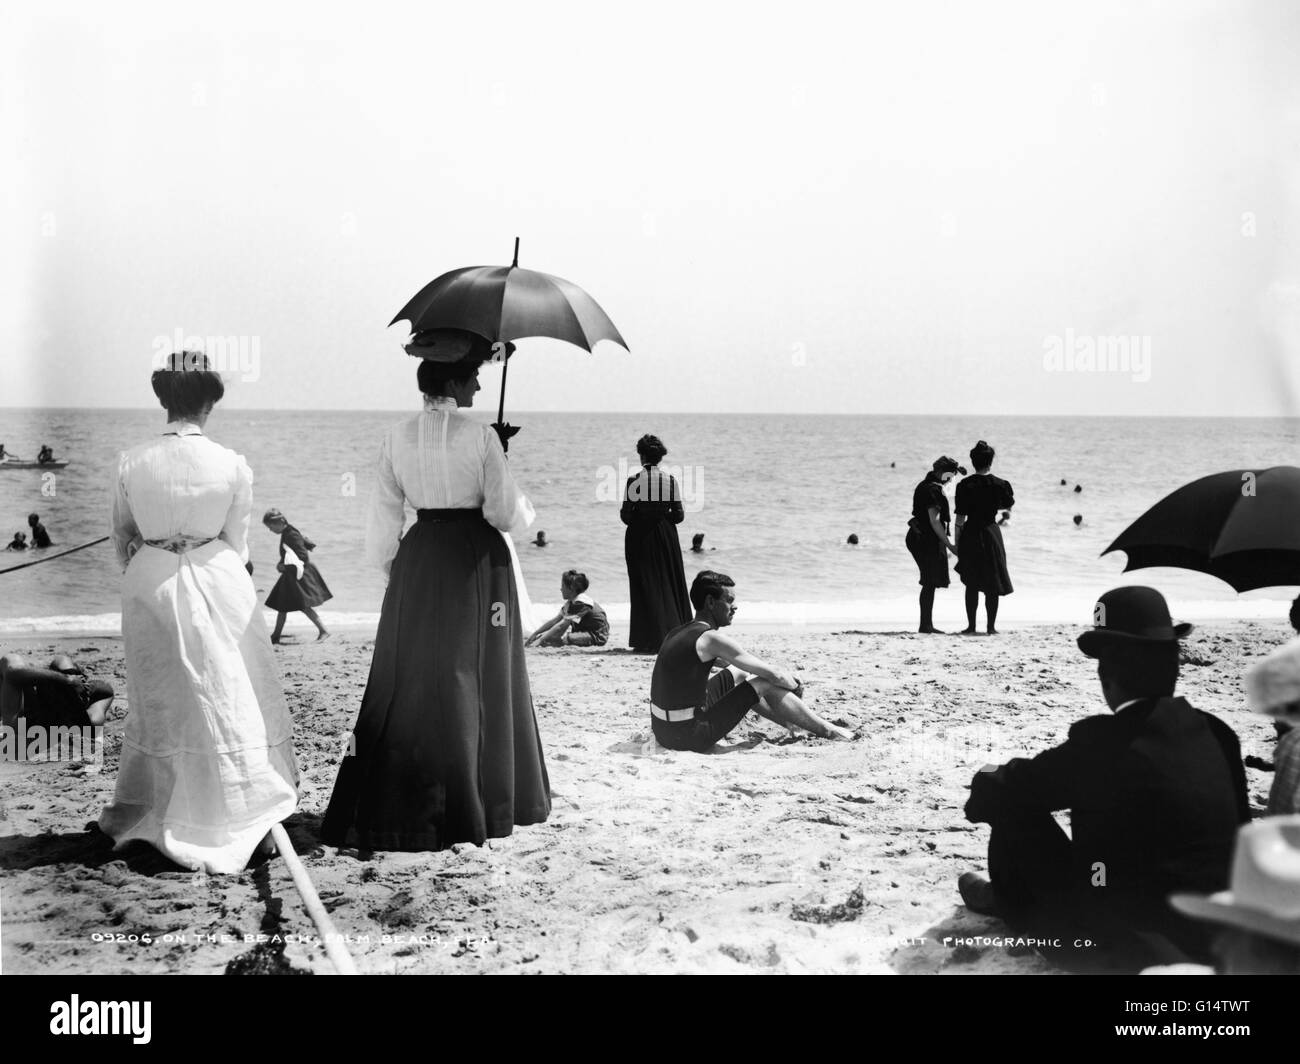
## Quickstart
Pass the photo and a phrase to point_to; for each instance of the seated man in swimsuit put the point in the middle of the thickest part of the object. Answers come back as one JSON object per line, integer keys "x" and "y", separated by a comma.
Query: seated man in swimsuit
{"x": 46, "y": 454}
{"x": 691, "y": 711}
{"x": 60, "y": 696}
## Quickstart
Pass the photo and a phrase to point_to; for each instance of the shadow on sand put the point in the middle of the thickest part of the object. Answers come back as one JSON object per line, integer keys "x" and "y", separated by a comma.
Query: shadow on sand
{"x": 91, "y": 848}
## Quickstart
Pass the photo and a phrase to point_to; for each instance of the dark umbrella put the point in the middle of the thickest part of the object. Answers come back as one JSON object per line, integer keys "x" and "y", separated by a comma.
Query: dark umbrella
{"x": 509, "y": 303}
{"x": 1242, "y": 526}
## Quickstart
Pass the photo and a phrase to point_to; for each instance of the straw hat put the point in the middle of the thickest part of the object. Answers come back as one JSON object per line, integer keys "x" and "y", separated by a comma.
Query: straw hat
{"x": 1264, "y": 894}
{"x": 1273, "y": 682}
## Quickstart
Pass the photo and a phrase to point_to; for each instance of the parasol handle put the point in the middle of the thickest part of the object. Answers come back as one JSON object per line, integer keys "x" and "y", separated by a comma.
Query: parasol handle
{"x": 516, "y": 262}
{"x": 501, "y": 407}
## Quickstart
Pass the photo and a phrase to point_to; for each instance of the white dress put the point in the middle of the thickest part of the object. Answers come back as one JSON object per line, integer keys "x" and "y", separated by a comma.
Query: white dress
{"x": 207, "y": 761}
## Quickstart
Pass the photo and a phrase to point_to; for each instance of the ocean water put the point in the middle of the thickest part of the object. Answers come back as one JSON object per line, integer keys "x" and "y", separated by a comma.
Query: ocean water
{"x": 776, "y": 497}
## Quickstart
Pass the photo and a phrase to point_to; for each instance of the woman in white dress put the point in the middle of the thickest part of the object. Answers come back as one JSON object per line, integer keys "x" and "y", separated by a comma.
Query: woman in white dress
{"x": 207, "y": 762}
{"x": 446, "y": 745}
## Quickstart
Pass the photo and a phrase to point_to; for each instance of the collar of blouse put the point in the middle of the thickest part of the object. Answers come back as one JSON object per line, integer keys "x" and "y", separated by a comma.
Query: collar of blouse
{"x": 182, "y": 428}
{"x": 440, "y": 403}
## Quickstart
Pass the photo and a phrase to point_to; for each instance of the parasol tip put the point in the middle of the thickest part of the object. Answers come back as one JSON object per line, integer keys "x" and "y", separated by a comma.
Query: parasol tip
{"x": 516, "y": 262}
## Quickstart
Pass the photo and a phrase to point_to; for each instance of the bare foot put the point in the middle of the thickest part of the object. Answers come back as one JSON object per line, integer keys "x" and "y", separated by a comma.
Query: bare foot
{"x": 323, "y": 635}
{"x": 838, "y": 734}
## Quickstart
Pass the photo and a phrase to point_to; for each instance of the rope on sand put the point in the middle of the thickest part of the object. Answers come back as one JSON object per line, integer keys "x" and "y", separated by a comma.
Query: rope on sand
{"x": 51, "y": 557}
{"x": 329, "y": 934}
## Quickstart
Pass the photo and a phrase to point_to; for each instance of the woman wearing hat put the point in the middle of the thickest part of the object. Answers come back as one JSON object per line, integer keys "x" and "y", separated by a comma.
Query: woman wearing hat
{"x": 927, "y": 535}
{"x": 300, "y": 588}
{"x": 981, "y": 557}
{"x": 207, "y": 762}
{"x": 446, "y": 747}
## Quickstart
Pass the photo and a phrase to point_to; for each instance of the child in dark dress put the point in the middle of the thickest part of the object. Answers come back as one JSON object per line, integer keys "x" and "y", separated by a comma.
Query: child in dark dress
{"x": 300, "y": 587}
{"x": 580, "y": 623}
{"x": 981, "y": 557}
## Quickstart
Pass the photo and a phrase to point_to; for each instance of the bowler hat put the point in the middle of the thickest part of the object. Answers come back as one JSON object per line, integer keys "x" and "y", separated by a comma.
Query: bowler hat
{"x": 1129, "y": 617}
{"x": 1264, "y": 894}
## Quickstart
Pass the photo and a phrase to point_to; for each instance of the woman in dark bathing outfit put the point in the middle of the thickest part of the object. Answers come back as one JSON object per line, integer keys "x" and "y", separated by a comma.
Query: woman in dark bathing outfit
{"x": 927, "y": 535}
{"x": 981, "y": 557}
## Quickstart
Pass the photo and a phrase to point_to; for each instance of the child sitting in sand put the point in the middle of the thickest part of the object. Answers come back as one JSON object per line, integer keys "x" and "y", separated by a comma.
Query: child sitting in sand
{"x": 580, "y": 623}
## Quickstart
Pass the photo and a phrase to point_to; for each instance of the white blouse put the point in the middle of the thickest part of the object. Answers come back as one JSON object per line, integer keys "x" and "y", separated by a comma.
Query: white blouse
{"x": 440, "y": 460}
{"x": 181, "y": 484}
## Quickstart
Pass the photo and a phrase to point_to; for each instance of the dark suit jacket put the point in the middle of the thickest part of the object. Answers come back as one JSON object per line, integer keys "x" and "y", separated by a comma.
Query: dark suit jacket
{"x": 1155, "y": 793}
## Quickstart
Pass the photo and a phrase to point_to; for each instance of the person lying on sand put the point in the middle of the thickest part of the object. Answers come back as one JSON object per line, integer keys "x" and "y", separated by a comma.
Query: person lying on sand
{"x": 60, "y": 696}
{"x": 689, "y": 710}
{"x": 1156, "y": 791}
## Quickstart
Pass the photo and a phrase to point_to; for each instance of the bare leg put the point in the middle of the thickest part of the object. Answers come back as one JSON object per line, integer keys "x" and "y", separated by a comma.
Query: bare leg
{"x": 785, "y": 707}
{"x": 279, "y": 626}
{"x": 320, "y": 628}
{"x": 552, "y": 636}
{"x": 97, "y": 712}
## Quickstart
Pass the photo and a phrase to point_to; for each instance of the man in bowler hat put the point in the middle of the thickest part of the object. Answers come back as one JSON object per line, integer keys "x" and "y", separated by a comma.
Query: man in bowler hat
{"x": 1155, "y": 789}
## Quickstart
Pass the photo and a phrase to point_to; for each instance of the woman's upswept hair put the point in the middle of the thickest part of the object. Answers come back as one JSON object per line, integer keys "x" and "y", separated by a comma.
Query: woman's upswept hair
{"x": 981, "y": 455}
{"x": 433, "y": 377}
{"x": 187, "y": 385}
{"x": 651, "y": 449}
{"x": 576, "y": 580}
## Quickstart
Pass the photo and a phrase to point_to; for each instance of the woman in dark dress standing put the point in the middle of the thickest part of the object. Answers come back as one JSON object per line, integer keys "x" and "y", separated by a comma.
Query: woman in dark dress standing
{"x": 446, "y": 747}
{"x": 296, "y": 591}
{"x": 981, "y": 557}
{"x": 652, "y": 510}
{"x": 927, "y": 536}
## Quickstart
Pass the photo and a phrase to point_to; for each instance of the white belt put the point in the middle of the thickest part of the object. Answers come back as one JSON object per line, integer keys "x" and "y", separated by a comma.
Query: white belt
{"x": 672, "y": 715}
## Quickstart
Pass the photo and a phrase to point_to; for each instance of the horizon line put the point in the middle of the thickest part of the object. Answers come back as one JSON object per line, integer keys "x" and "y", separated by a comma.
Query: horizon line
{"x": 693, "y": 413}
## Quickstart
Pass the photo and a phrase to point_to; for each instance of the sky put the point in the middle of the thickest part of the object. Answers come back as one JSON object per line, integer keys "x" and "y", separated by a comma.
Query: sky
{"x": 867, "y": 208}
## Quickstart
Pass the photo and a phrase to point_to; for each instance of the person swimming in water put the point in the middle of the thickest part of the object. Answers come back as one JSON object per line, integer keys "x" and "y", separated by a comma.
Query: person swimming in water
{"x": 40, "y": 538}
{"x": 540, "y": 541}
{"x": 697, "y": 543}
{"x": 19, "y": 542}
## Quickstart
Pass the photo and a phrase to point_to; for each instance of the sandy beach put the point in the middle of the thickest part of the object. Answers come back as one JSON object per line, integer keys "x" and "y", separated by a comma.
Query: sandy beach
{"x": 770, "y": 855}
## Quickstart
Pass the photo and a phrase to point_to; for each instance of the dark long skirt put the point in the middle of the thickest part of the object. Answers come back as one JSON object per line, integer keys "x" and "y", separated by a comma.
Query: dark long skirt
{"x": 656, "y": 582}
{"x": 292, "y": 595}
{"x": 446, "y": 744}
{"x": 982, "y": 560}
{"x": 930, "y": 555}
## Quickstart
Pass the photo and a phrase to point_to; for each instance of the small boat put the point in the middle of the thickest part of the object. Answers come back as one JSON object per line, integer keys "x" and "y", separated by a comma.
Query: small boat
{"x": 32, "y": 463}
